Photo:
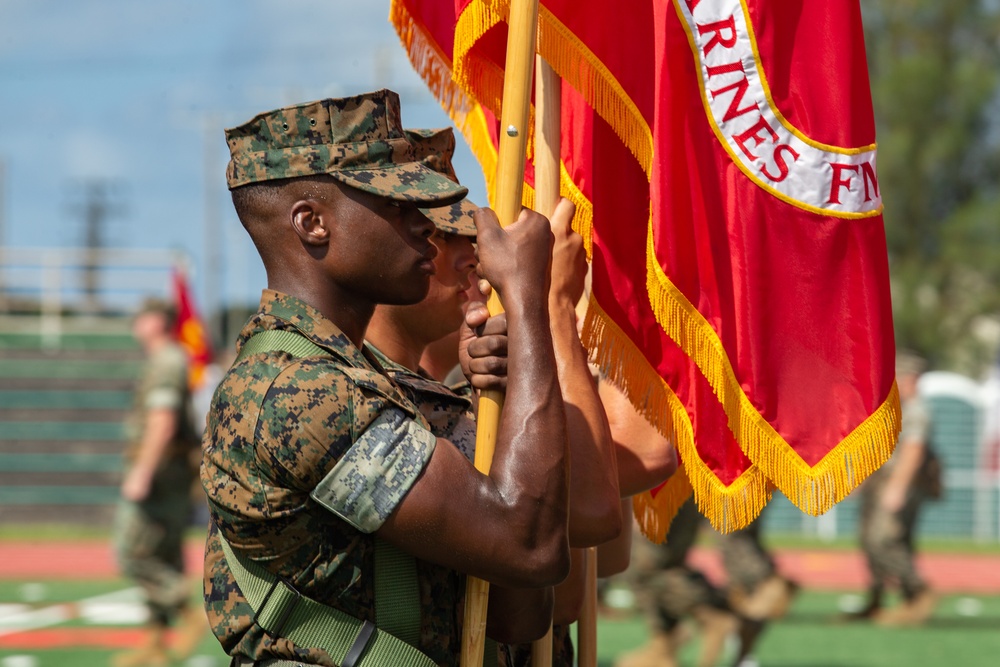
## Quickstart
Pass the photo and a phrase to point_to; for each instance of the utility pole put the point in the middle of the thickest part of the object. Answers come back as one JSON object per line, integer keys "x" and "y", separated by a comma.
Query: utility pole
{"x": 3, "y": 230}
{"x": 96, "y": 209}
{"x": 213, "y": 258}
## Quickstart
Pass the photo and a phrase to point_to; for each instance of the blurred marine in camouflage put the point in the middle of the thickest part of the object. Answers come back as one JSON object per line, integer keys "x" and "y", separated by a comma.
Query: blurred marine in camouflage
{"x": 670, "y": 589}
{"x": 890, "y": 505}
{"x": 156, "y": 491}
{"x": 318, "y": 467}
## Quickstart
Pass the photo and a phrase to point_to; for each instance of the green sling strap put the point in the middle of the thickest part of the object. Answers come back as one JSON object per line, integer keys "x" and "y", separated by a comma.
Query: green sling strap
{"x": 282, "y": 611}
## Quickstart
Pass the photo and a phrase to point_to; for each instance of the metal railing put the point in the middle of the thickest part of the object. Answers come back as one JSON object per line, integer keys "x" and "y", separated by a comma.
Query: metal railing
{"x": 41, "y": 287}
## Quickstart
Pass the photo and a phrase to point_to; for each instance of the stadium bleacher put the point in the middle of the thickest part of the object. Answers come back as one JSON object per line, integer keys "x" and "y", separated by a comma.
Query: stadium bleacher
{"x": 61, "y": 420}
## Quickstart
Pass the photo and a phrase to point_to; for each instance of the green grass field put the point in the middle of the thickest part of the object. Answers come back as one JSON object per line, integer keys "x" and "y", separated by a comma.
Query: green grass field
{"x": 965, "y": 632}
{"x": 813, "y": 636}
{"x": 86, "y": 597}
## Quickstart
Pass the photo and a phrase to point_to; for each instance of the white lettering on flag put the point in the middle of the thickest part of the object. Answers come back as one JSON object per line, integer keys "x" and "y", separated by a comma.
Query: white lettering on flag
{"x": 827, "y": 179}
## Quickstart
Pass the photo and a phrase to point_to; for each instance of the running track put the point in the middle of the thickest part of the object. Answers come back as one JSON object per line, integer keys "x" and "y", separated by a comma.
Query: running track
{"x": 816, "y": 569}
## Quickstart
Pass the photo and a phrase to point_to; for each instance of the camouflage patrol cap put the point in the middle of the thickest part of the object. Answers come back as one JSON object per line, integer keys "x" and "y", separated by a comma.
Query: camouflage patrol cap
{"x": 435, "y": 148}
{"x": 154, "y": 305}
{"x": 909, "y": 363}
{"x": 357, "y": 140}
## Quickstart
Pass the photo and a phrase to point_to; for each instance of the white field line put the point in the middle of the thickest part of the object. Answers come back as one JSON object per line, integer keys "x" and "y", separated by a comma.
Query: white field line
{"x": 21, "y": 621}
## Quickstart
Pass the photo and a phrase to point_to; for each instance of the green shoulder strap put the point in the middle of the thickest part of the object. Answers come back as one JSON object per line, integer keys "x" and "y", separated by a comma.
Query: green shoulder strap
{"x": 281, "y": 340}
{"x": 282, "y": 611}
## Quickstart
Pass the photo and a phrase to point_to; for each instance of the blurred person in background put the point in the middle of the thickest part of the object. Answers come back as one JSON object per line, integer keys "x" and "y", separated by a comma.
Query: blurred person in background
{"x": 669, "y": 590}
{"x": 156, "y": 491}
{"x": 756, "y": 591}
{"x": 890, "y": 504}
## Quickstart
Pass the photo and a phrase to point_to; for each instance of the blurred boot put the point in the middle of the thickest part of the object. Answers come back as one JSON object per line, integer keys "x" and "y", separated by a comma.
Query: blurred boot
{"x": 871, "y": 609}
{"x": 922, "y": 606}
{"x": 152, "y": 653}
{"x": 770, "y": 600}
{"x": 915, "y": 611}
{"x": 190, "y": 630}
{"x": 716, "y": 625}
{"x": 749, "y": 632}
{"x": 659, "y": 651}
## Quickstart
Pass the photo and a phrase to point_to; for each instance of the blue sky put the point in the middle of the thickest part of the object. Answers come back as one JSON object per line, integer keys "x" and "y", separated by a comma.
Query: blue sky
{"x": 138, "y": 93}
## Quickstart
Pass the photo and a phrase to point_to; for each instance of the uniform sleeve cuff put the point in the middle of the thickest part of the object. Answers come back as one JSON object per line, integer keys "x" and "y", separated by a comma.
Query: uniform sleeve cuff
{"x": 376, "y": 473}
{"x": 163, "y": 398}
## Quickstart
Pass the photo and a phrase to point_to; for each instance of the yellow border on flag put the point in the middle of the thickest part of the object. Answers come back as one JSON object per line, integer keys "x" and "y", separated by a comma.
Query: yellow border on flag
{"x": 774, "y": 107}
{"x": 813, "y": 489}
{"x": 567, "y": 55}
{"x": 654, "y": 514}
{"x": 431, "y": 62}
{"x": 754, "y": 178}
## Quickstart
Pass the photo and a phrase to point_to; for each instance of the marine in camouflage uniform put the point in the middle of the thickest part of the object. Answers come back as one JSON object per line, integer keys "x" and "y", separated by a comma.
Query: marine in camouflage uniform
{"x": 306, "y": 458}
{"x": 156, "y": 504}
{"x": 263, "y": 477}
{"x": 887, "y": 528}
{"x": 756, "y": 590}
{"x": 448, "y": 411}
{"x": 669, "y": 590}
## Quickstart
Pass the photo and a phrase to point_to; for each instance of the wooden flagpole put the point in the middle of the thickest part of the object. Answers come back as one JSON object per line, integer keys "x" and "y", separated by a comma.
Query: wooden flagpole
{"x": 548, "y": 121}
{"x": 522, "y": 28}
{"x": 587, "y": 627}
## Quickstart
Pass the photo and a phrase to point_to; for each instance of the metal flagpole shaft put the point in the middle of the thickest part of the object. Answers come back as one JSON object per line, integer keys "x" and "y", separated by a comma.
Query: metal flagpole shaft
{"x": 522, "y": 25}
{"x": 548, "y": 116}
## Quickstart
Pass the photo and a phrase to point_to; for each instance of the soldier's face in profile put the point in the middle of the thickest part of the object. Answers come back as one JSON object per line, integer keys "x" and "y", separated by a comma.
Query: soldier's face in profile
{"x": 442, "y": 311}
{"x": 380, "y": 248}
{"x": 444, "y": 305}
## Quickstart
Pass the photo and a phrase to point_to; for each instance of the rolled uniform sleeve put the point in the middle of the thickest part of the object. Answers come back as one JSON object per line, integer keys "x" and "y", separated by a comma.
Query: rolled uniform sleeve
{"x": 166, "y": 381}
{"x": 163, "y": 398}
{"x": 375, "y": 474}
{"x": 916, "y": 423}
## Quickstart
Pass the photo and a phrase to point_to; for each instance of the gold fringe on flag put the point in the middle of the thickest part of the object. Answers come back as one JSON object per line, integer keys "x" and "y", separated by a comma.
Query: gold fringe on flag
{"x": 569, "y": 57}
{"x": 483, "y": 77}
{"x": 813, "y": 489}
{"x": 655, "y": 513}
{"x": 583, "y": 219}
{"x": 727, "y": 508}
{"x": 430, "y": 62}
{"x": 433, "y": 65}
{"x": 576, "y": 63}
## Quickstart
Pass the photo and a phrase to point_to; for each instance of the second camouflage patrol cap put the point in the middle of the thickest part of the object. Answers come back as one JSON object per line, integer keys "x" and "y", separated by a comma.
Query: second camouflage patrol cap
{"x": 435, "y": 148}
{"x": 357, "y": 140}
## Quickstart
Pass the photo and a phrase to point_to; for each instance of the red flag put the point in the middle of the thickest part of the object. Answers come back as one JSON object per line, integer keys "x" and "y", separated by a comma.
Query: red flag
{"x": 728, "y": 191}
{"x": 190, "y": 331}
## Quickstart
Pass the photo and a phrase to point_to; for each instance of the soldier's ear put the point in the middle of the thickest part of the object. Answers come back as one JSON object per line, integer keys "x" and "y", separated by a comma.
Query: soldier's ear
{"x": 311, "y": 221}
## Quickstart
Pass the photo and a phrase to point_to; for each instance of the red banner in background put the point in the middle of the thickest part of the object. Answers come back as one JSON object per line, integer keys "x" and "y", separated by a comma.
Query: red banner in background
{"x": 190, "y": 331}
{"x": 721, "y": 155}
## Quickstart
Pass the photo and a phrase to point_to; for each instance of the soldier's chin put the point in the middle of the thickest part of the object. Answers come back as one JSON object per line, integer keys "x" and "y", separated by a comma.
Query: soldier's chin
{"x": 411, "y": 292}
